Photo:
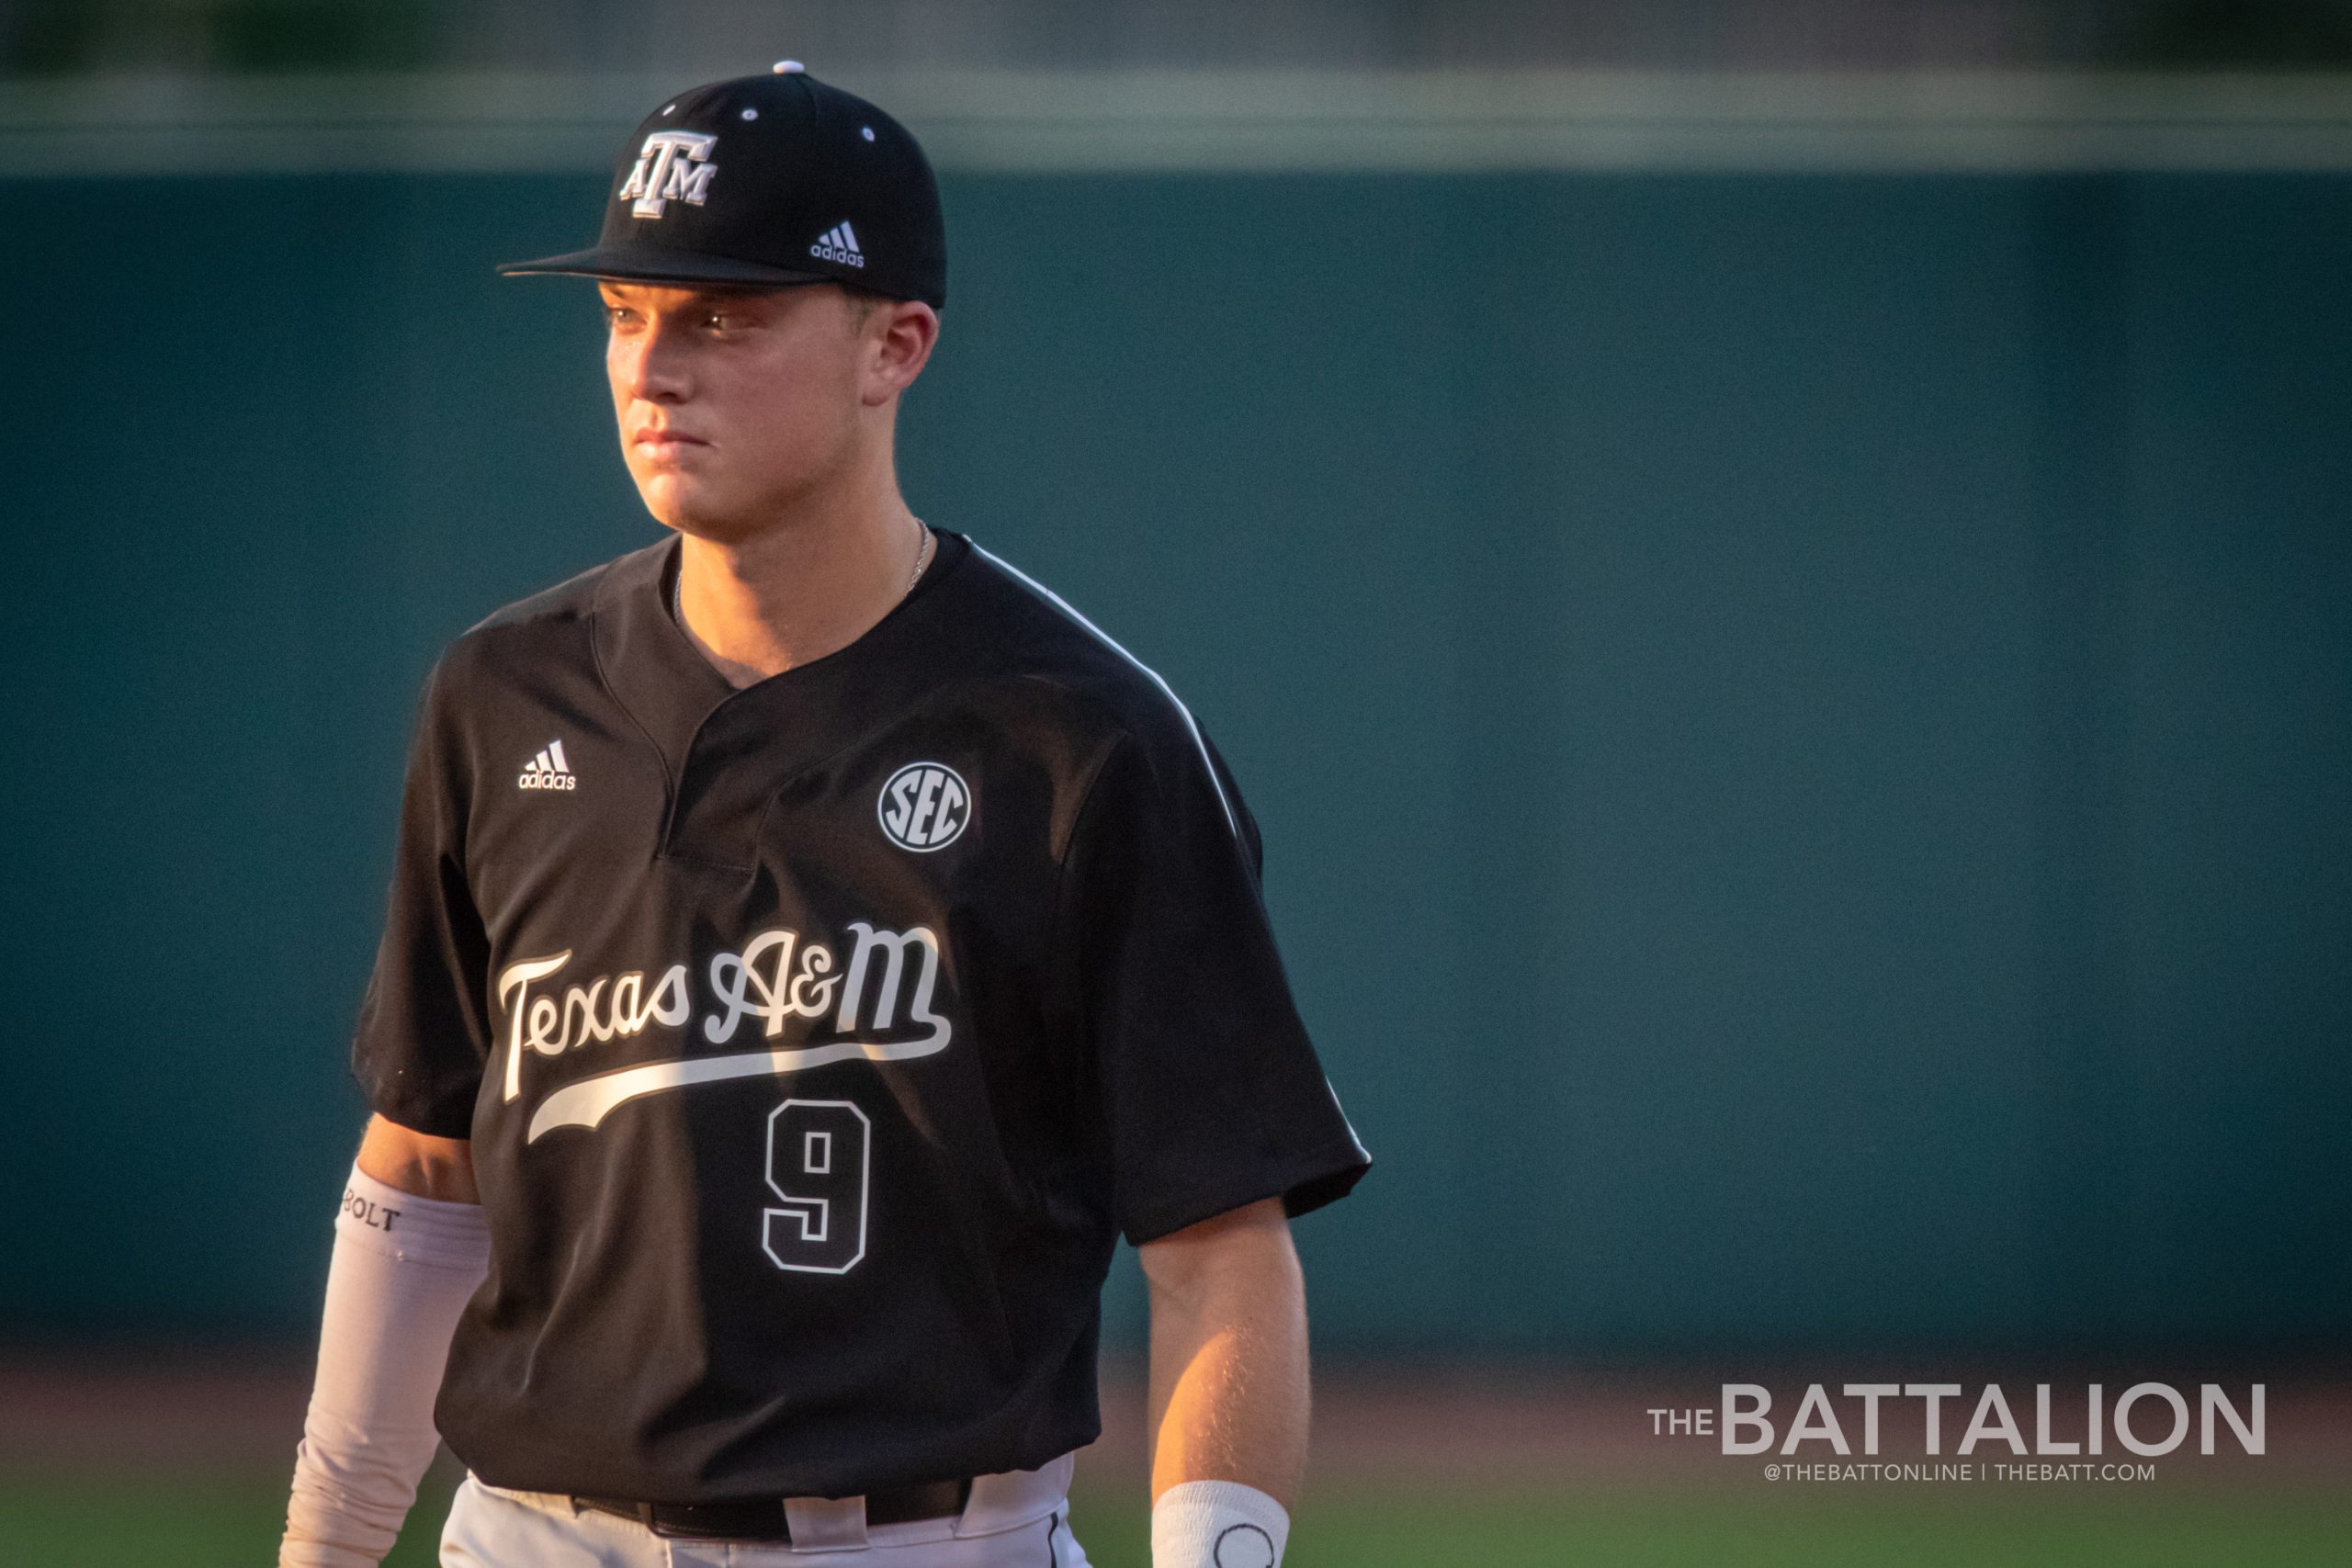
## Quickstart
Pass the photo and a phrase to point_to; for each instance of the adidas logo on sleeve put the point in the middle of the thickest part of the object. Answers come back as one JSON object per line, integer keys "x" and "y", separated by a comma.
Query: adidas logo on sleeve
{"x": 839, "y": 244}
{"x": 547, "y": 771}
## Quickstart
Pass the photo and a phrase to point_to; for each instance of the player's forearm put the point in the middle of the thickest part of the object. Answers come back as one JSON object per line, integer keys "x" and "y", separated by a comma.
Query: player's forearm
{"x": 1228, "y": 1396}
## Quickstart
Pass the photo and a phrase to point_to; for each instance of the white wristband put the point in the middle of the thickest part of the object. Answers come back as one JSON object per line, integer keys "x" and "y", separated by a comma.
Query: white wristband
{"x": 1218, "y": 1524}
{"x": 403, "y": 1270}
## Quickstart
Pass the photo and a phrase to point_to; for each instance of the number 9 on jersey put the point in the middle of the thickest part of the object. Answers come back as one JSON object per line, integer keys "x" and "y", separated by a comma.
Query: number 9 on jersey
{"x": 818, "y": 1163}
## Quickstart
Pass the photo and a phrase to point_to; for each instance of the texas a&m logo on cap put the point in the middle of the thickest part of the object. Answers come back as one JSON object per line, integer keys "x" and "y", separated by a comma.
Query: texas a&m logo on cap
{"x": 924, "y": 806}
{"x": 674, "y": 165}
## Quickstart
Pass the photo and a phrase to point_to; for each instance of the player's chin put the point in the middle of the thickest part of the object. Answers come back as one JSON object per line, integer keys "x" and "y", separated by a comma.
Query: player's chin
{"x": 676, "y": 500}
{"x": 695, "y": 510}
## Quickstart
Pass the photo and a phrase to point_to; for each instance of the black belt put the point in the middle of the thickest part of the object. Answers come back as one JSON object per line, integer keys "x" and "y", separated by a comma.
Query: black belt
{"x": 761, "y": 1518}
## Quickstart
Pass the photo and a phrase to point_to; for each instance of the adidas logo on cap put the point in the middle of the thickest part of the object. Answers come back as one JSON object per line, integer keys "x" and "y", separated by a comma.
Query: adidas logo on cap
{"x": 839, "y": 244}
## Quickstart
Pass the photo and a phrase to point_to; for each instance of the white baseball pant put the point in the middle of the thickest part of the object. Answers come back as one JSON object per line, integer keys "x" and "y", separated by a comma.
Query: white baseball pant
{"x": 1020, "y": 1520}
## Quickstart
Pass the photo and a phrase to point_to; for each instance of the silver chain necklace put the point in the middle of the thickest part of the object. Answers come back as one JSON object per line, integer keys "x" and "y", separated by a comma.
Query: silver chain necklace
{"x": 922, "y": 559}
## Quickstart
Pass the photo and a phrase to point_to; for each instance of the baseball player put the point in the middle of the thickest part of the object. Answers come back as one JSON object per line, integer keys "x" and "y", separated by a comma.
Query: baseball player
{"x": 811, "y": 942}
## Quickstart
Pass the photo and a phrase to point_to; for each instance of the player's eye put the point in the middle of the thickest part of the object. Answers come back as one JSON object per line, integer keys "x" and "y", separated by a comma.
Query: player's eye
{"x": 620, "y": 316}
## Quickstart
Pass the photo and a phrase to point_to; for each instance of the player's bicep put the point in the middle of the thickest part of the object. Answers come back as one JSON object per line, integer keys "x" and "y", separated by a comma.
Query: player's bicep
{"x": 418, "y": 1163}
{"x": 1250, "y": 1242}
{"x": 423, "y": 1028}
{"x": 1212, "y": 1092}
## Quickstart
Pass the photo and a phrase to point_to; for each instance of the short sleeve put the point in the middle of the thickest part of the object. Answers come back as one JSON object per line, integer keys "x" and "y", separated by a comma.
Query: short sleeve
{"x": 1211, "y": 1090}
{"x": 423, "y": 1034}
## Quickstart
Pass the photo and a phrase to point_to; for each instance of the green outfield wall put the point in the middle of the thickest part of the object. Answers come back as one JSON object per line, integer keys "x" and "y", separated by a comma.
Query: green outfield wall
{"x": 1803, "y": 725}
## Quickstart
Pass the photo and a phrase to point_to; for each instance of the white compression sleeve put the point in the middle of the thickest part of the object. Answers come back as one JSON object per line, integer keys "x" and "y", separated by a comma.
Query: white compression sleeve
{"x": 1218, "y": 1524}
{"x": 402, "y": 1272}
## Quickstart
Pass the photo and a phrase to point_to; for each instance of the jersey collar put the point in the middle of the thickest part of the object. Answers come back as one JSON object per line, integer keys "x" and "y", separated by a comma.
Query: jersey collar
{"x": 726, "y": 752}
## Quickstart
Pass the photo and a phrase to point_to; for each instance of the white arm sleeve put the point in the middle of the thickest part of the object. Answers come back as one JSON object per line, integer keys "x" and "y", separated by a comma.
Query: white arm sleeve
{"x": 403, "y": 1269}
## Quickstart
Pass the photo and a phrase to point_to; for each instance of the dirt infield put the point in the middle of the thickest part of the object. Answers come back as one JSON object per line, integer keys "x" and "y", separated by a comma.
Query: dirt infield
{"x": 1549, "y": 1426}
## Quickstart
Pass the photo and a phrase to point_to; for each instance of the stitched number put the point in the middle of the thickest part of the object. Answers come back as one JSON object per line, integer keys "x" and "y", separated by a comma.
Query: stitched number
{"x": 816, "y": 1168}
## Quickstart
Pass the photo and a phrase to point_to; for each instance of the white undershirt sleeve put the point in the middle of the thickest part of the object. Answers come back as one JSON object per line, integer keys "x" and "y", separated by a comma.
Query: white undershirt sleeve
{"x": 402, "y": 1272}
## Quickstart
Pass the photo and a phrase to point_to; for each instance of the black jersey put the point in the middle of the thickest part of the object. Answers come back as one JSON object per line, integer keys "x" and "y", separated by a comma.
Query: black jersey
{"x": 814, "y": 1039}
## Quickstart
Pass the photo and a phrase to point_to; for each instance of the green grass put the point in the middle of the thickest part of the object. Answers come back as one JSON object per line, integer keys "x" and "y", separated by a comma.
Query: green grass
{"x": 80, "y": 1519}
{"x": 1689, "y": 1527}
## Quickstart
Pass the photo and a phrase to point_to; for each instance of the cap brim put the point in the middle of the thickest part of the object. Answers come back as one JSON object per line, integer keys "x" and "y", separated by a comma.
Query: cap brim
{"x": 638, "y": 266}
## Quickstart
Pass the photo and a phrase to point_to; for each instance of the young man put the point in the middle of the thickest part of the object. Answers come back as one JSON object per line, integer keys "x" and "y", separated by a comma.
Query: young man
{"x": 810, "y": 943}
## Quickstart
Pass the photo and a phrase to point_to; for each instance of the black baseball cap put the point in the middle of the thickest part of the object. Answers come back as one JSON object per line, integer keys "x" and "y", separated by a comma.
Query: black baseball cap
{"x": 773, "y": 179}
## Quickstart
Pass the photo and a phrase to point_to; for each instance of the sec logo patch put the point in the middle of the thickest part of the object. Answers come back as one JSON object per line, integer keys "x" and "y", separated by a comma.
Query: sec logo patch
{"x": 924, "y": 806}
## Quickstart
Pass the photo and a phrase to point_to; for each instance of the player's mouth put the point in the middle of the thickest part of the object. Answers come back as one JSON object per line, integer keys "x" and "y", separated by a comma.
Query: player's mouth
{"x": 666, "y": 442}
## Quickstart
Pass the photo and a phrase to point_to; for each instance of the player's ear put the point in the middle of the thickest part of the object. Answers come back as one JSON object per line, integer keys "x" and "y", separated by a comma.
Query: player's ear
{"x": 899, "y": 343}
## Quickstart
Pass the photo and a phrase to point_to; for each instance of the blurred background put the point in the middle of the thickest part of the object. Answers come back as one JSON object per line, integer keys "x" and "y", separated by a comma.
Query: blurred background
{"x": 1778, "y": 575}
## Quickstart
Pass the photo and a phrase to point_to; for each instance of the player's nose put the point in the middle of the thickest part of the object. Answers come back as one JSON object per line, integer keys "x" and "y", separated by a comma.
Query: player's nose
{"x": 650, "y": 364}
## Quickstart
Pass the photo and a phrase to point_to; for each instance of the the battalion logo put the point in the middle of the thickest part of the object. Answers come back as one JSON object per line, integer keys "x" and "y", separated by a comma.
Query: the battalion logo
{"x": 547, "y": 771}
{"x": 924, "y": 806}
{"x": 673, "y": 166}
